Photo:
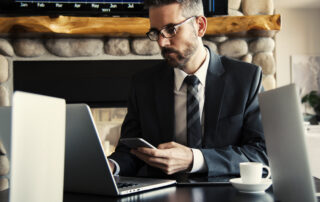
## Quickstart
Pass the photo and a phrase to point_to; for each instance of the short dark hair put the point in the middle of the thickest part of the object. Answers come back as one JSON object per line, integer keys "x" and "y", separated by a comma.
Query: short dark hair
{"x": 189, "y": 7}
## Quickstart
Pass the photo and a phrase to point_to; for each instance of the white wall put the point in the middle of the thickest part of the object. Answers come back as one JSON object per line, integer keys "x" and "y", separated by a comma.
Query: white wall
{"x": 299, "y": 35}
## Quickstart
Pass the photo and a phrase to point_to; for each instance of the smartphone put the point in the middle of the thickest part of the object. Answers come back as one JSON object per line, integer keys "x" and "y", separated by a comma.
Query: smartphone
{"x": 136, "y": 142}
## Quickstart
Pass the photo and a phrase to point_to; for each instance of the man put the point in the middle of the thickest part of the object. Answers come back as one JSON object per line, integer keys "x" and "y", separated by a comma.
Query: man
{"x": 199, "y": 109}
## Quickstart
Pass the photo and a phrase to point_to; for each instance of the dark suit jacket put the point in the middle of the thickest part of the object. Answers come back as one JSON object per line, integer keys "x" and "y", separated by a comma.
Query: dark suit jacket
{"x": 232, "y": 123}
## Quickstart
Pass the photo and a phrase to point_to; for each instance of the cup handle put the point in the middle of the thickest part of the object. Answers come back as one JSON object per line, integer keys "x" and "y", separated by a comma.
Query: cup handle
{"x": 269, "y": 172}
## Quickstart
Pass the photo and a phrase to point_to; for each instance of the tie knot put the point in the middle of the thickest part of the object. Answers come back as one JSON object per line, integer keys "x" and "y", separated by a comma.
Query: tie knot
{"x": 191, "y": 80}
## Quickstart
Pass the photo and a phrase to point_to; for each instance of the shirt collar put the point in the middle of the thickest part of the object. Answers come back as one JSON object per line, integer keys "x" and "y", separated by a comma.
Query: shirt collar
{"x": 201, "y": 73}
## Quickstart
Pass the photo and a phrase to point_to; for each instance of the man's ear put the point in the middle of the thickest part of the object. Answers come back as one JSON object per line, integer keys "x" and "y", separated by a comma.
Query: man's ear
{"x": 202, "y": 25}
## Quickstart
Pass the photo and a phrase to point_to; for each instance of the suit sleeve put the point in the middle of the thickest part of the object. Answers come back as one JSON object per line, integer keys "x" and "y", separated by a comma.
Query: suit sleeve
{"x": 251, "y": 146}
{"x": 128, "y": 163}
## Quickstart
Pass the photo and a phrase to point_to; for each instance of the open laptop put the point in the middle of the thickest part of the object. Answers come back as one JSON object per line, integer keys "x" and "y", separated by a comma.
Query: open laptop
{"x": 285, "y": 140}
{"x": 86, "y": 167}
{"x": 37, "y": 147}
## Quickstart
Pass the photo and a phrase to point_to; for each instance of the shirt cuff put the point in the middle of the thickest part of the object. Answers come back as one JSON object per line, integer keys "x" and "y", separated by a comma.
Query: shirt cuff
{"x": 116, "y": 167}
{"x": 199, "y": 164}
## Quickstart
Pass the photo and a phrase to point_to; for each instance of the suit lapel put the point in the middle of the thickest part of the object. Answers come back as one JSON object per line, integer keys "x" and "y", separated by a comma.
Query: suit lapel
{"x": 165, "y": 103}
{"x": 213, "y": 96}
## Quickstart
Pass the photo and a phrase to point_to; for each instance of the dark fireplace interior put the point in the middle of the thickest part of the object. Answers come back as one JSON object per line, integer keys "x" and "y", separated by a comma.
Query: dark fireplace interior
{"x": 102, "y": 84}
{"x": 98, "y": 83}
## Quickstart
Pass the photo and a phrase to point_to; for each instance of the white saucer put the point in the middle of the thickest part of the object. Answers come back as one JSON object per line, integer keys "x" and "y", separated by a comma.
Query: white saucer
{"x": 258, "y": 188}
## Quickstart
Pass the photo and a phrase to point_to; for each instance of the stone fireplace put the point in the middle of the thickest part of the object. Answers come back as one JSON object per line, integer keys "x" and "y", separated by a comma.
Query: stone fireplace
{"x": 251, "y": 45}
{"x": 240, "y": 35}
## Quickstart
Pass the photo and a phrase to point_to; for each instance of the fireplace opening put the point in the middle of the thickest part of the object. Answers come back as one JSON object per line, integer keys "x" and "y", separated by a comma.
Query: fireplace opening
{"x": 98, "y": 83}
{"x": 102, "y": 84}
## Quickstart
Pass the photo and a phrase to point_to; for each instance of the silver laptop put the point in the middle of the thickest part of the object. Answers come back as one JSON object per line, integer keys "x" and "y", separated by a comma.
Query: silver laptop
{"x": 37, "y": 148}
{"x": 86, "y": 167}
{"x": 285, "y": 140}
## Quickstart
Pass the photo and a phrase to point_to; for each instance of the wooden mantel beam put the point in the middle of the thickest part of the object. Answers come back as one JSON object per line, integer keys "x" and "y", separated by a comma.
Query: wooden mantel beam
{"x": 233, "y": 24}
{"x": 112, "y": 26}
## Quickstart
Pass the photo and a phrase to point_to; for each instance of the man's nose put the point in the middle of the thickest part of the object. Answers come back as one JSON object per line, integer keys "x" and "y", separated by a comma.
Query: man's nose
{"x": 162, "y": 41}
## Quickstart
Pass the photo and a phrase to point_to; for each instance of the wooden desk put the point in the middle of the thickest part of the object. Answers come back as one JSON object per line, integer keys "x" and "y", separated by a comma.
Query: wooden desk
{"x": 216, "y": 193}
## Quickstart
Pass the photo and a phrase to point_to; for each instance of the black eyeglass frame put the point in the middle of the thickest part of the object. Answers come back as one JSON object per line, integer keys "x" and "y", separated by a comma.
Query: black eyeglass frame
{"x": 174, "y": 26}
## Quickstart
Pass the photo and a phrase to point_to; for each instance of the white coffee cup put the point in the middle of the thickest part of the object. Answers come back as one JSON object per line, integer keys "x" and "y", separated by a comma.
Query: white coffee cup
{"x": 251, "y": 172}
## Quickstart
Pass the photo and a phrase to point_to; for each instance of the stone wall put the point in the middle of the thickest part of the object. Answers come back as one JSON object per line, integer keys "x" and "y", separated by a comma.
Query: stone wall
{"x": 4, "y": 168}
{"x": 258, "y": 50}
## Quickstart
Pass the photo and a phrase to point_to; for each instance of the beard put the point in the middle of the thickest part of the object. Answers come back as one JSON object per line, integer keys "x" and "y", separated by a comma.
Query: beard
{"x": 178, "y": 59}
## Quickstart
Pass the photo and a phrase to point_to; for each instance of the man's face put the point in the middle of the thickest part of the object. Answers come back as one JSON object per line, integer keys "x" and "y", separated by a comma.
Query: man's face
{"x": 179, "y": 49}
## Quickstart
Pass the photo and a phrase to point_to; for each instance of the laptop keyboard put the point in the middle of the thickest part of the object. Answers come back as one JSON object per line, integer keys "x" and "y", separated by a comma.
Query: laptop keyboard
{"x": 123, "y": 185}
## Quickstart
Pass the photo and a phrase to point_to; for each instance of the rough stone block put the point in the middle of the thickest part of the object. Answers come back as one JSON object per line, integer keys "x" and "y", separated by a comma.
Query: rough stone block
{"x": 117, "y": 46}
{"x": 262, "y": 45}
{"x": 4, "y": 69}
{"x": 6, "y": 48}
{"x": 234, "y": 48}
{"x": 217, "y": 39}
{"x": 3, "y": 150}
{"x": 247, "y": 58}
{"x": 268, "y": 82}
{"x": 211, "y": 45}
{"x": 29, "y": 47}
{"x": 143, "y": 46}
{"x": 266, "y": 62}
{"x": 4, "y": 96}
{"x": 70, "y": 47}
{"x": 232, "y": 12}
{"x": 234, "y": 4}
{"x": 4, "y": 183}
{"x": 4, "y": 165}
{"x": 257, "y": 7}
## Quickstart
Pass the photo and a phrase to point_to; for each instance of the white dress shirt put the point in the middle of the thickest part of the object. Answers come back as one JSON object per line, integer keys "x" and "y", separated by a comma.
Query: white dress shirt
{"x": 180, "y": 109}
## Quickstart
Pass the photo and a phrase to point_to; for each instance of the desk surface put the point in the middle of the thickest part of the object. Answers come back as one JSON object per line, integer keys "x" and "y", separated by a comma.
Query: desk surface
{"x": 223, "y": 193}
{"x": 217, "y": 193}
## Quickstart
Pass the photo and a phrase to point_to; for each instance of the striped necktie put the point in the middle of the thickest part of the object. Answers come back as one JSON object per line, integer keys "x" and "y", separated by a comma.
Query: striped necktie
{"x": 193, "y": 113}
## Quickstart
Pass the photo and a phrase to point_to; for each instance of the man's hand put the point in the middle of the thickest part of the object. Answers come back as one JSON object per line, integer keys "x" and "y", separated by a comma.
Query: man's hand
{"x": 111, "y": 165}
{"x": 170, "y": 157}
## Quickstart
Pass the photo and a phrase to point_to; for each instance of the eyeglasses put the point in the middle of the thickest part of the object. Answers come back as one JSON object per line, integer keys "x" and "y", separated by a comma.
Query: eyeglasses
{"x": 167, "y": 31}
